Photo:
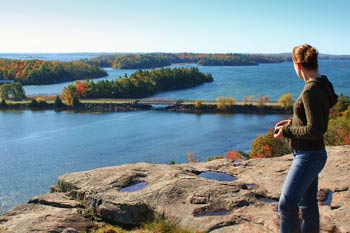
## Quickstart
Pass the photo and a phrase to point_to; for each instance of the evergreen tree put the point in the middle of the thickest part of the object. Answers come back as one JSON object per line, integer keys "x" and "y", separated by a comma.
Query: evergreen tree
{"x": 3, "y": 104}
{"x": 58, "y": 102}
{"x": 76, "y": 101}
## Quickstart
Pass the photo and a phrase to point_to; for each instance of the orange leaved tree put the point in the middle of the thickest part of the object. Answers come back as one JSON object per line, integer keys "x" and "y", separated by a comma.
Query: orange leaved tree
{"x": 267, "y": 146}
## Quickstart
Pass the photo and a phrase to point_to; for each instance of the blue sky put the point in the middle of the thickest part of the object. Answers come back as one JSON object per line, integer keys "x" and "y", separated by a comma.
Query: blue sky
{"x": 209, "y": 26}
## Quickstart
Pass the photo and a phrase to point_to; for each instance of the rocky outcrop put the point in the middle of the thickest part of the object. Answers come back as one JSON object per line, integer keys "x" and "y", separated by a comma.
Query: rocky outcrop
{"x": 132, "y": 193}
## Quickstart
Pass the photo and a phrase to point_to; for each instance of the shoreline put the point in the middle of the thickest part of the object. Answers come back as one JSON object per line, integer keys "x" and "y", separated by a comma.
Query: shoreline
{"x": 184, "y": 106}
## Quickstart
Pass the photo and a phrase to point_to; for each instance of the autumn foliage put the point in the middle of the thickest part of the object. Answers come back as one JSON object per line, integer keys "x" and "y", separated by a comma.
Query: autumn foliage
{"x": 286, "y": 100}
{"x": 223, "y": 103}
{"x": 38, "y": 72}
{"x": 80, "y": 88}
{"x": 338, "y": 132}
{"x": 192, "y": 157}
{"x": 233, "y": 155}
{"x": 266, "y": 146}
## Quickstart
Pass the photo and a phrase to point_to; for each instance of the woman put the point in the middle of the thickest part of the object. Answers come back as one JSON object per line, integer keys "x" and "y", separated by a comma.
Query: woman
{"x": 305, "y": 130}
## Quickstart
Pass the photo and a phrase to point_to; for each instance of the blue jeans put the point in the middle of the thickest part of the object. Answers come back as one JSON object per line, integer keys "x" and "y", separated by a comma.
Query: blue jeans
{"x": 300, "y": 190}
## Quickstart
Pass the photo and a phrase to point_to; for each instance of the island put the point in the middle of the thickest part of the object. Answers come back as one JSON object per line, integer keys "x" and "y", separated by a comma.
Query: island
{"x": 141, "y": 84}
{"x": 155, "y": 60}
{"x": 39, "y": 72}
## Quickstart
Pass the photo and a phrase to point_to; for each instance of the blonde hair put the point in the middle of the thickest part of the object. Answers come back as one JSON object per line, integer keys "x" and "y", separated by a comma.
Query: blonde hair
{"x": 306, "y": 55}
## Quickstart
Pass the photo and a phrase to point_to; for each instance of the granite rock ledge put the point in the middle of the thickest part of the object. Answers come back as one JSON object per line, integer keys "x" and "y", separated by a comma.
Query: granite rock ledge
{"x": 132, "y": 193}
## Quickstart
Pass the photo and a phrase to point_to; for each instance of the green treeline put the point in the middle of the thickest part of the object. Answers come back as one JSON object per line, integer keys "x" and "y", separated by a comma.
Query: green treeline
{"x": 154, "y": 60}
{"x": 131, "y": 61}
{"x": 38, "y": 72}
{"x": 140, "y": 84}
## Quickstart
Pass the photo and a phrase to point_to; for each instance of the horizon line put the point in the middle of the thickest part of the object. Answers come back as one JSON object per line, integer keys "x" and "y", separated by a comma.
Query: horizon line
{"x": 104, "y": 52}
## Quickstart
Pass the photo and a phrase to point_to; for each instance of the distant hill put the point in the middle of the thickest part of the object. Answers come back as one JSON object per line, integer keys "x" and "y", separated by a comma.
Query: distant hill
{"x": 322, "y": 56}
{"x": 334, "y": 57}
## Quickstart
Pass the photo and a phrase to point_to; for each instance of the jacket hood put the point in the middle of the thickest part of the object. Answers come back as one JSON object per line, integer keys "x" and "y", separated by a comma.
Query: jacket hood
{"x": 328, "y": 87}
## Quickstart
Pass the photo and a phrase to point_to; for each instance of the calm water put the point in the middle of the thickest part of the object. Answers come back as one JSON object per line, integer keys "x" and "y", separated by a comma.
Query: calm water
{"x": 271, "y": 80}
{"x": 37, "y": 147}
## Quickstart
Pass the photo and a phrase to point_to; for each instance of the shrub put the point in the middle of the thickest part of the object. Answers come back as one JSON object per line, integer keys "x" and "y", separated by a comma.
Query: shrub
{"x": 233, "y": 155}
{"x": 286, "y": 100}
{"x": 267, "y": 146}
{"x": 223, "y": 102}
{"x": 41, "y": 102}
{"x": 33, "y": 103}
{"x": 40, "y": 99}
{"x": 248, "y": 100}
{"x": 198, "y": 104}
{"x": 192, "y": 158}
{"x": 262, "y": 100}
{"x": 338, "y": 132}
{"x": 68, "y": 93}
{"x": 38, "y": 102}
{"x": 342, "y": 105}
{"x": 158, "y": 225}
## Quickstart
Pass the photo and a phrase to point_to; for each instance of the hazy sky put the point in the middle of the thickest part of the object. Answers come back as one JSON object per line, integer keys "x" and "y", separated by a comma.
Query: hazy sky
{"x": 222, "y": 26}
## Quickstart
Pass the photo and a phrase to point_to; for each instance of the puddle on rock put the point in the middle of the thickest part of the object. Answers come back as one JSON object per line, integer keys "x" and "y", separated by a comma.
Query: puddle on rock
{"x": 220, "y": 176}
{"x": 266, "y": 199}
{"x": 215, "y": 213}
{"x": 328, "y": 200}
{"x": 134, "y": 187}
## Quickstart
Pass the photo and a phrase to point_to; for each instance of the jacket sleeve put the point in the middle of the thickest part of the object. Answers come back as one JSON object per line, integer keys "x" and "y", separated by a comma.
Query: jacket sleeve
{"x": 313, "y": 129}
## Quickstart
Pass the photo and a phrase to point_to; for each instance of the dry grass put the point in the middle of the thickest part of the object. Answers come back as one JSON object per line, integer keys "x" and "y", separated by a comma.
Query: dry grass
{"x": 157, "y": 226}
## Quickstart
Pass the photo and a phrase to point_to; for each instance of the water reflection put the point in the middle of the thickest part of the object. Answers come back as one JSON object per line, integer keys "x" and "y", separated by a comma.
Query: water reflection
{"x": 134, "y": 187}
{"x": 220, "y": 176}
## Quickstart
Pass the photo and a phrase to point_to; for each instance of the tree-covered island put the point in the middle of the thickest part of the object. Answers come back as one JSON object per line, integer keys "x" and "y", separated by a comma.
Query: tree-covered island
{"x": 143, "y": 83}
{"x": 155, "y": 60}
{"x": 38, "y": 72}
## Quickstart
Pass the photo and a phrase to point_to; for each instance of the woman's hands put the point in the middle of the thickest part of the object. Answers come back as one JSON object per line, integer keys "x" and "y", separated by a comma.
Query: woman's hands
{"x": 278, "y": 128}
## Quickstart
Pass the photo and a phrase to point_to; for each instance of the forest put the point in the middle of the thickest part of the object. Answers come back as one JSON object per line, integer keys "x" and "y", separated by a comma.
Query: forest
{"x": 140, "y": 84}
{"x": 38, "y": 72}
{"x": 155, "y": 60}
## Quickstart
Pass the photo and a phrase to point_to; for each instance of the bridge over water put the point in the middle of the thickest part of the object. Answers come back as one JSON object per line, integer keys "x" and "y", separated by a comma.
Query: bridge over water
{"x": 152, "y": 101}
{"x": 170, "y": 102}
